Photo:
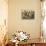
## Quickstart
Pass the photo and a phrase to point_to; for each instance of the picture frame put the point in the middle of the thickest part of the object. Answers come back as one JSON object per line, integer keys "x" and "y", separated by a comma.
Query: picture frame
{"x": 27, "y": 14}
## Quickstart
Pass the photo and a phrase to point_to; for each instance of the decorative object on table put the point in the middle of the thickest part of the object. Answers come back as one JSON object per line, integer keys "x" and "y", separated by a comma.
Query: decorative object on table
{"x": 23, "y": 36}
{"x": 14, "y": 38}
{"x": 20, "y": 36}
{"x": 27, "y": 14}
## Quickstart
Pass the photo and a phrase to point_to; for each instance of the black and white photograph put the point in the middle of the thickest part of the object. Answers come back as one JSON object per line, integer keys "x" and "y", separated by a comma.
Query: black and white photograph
{"x": 27, "y": 14}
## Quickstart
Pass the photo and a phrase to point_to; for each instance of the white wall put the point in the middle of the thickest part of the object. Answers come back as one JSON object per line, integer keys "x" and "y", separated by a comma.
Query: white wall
{"x": 15, "y": 21}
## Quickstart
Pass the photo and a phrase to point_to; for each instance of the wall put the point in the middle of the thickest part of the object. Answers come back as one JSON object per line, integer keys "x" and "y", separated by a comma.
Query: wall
{"x": 15, "y": 21}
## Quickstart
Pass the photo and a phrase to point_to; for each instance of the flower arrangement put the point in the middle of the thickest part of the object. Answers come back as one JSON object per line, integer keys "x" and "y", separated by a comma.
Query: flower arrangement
{"x": 21, "y": 36}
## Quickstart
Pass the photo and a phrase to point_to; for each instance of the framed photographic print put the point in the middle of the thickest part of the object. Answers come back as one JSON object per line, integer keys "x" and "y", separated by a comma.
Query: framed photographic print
{"x": 27, "y": 14}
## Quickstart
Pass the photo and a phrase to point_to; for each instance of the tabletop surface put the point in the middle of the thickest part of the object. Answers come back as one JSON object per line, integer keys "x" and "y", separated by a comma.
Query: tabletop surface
{"x": 32, "y": 41}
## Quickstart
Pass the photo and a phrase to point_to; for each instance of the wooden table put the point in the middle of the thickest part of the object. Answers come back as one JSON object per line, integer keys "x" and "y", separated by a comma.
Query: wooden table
{"x": 33, "y": 42}
{"x": 10, "y": 44}
{"x": 40, "y": 44}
